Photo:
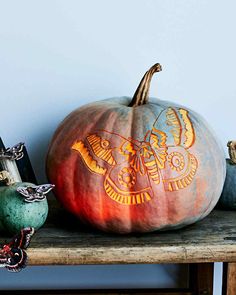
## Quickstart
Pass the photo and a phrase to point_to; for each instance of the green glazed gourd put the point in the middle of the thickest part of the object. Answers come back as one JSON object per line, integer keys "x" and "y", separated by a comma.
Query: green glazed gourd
{"x": 16, "y": 214}
{"x": 228, "y": 196}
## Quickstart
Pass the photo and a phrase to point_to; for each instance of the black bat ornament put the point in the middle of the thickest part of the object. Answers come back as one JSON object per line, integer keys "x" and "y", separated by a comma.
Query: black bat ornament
{"x": 13, "y": 255}
{"x": 35, "y": 193}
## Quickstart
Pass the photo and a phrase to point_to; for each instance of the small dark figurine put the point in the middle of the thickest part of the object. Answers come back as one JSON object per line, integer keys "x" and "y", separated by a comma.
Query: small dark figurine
{"x": 232, "y": 151}
{"x": 13, "y": 153}
{"x": 228, "y": 196}
{"x": 13, "y": 255}
{"x": 35, "y": 193}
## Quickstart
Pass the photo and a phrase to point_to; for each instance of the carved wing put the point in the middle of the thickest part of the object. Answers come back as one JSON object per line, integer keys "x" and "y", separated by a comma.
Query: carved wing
{"x": 177, "y": 126}
{"x": 101, "y": 148}
{"x": 188, "y": 133}
{"x": 134, "y": 152}
{"x": 158, "y": 144}
{"x": 170, "y": 147}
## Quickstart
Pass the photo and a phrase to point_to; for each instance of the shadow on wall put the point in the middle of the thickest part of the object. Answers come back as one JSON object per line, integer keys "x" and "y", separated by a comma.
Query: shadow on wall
{"x": 38, "y": 152}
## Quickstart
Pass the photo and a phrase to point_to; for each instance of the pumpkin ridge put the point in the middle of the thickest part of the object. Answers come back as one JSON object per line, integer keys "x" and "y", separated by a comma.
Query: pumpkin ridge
{"x": 181, "y": 162}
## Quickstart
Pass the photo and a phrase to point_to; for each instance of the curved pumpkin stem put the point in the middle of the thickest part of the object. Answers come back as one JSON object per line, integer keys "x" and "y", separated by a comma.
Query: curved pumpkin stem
{"x": 141, "y": 94}
{"x": 232, "y": 151}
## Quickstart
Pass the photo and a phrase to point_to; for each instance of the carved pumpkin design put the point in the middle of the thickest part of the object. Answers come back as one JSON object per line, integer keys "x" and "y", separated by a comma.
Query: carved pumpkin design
{"x": 136, "y": 165}
{"x": 133, "y": 159}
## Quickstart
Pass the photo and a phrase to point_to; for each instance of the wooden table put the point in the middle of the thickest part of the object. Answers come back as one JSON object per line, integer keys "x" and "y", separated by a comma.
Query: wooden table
{"x": 65, "y": 241}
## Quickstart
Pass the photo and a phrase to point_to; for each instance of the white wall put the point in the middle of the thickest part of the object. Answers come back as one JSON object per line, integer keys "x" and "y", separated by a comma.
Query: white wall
{"x": 57, "y": 55}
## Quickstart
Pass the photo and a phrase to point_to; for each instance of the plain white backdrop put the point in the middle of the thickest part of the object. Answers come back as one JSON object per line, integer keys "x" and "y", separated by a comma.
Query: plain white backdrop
{"x": 57, "y": 55}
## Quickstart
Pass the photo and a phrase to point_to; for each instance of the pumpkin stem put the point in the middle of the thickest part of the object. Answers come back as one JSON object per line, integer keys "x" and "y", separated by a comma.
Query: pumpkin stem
{"x": 141, "y": 94}
{"x": 232, "y": 151}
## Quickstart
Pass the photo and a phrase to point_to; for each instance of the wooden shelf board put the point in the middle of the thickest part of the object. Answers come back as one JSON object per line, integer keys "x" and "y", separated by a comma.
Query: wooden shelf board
{"x": 65, "y": 241}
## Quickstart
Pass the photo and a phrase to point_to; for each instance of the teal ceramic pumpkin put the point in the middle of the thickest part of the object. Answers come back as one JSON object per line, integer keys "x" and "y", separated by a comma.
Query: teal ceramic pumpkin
{"x": 16, "y": 214}
{"x": 136, "y": 164}
{"x": 228, "y": 196}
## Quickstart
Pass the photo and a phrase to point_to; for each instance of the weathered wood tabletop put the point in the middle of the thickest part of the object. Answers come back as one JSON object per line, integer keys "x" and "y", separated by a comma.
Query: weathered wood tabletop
{"x": 65, "y": 241}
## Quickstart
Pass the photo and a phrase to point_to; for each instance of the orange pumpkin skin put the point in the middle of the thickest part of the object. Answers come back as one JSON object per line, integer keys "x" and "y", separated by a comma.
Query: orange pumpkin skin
{"x": 136, "y": 169}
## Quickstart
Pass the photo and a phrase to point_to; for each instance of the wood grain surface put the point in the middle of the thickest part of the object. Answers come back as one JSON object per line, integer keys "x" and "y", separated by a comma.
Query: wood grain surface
{"x": 65, "y": 241}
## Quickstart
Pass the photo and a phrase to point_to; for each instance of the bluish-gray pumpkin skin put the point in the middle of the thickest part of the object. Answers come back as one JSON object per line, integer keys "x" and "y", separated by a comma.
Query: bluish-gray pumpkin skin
{"x": 16, "y": 214}
{"x": 228, "y": 196}
{"x": 82, "y": 192}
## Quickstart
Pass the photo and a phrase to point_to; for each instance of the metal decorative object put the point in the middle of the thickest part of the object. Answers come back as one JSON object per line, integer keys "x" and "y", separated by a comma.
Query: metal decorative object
{"x": 16, "y": 162}
{"x": 8, "y": 158}
{"x": 35, "y": 193}
{"x": 13, "y": 255}
{"x": 13, "y": 153}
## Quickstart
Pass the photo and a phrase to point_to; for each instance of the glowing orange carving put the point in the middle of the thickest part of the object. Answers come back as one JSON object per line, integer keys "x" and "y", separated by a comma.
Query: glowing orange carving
{"x": 131, "y": 159}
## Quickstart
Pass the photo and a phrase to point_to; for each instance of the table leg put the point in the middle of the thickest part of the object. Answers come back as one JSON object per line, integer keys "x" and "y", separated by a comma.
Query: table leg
{"x": 229, "y": 278}
{"x": 201, "y": 278}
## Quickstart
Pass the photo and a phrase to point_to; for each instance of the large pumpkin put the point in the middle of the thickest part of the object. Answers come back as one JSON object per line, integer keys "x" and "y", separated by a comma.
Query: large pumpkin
{"x": 136, "y": 165}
